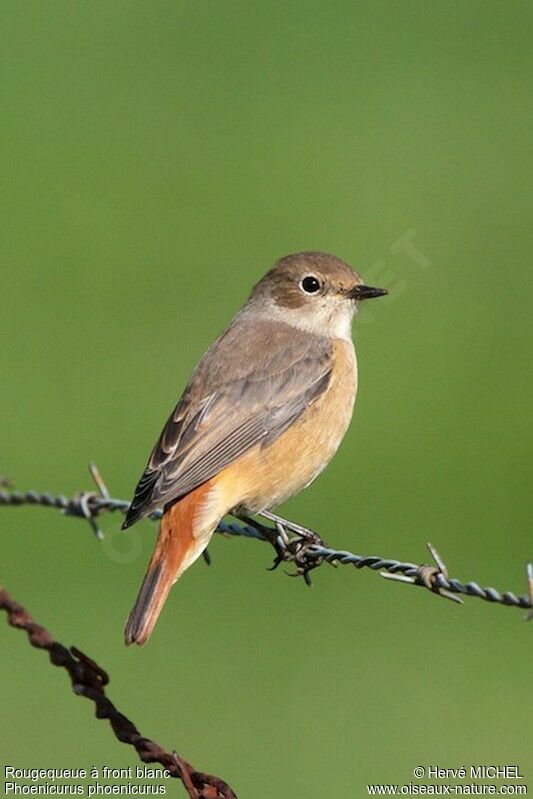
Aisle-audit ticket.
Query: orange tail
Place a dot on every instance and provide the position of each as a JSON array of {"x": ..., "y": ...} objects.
[{"x": 176, "y": 549}]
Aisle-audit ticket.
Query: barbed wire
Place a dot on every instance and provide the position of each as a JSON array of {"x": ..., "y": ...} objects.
[
  {"x": 293, "y": 544},
  {"x": 89, "y": 680}
]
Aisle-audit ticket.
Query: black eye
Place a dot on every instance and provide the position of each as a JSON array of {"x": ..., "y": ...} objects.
[{"x": 310, "y": 284}]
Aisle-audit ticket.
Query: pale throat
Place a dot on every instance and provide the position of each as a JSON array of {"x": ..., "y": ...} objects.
[{"x": 332, "y": 319}]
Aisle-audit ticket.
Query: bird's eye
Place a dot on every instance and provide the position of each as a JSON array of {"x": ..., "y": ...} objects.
[{"x": 310, "y": 284}]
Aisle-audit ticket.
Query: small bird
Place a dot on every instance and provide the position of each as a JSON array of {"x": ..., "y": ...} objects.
[{"x": 261, "y": 416}]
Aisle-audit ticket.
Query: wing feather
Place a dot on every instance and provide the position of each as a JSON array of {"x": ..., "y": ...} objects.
[{"x": 231, "y": 404}]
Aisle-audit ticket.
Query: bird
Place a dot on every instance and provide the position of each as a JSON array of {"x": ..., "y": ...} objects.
[{"x": 262, "y": 415}]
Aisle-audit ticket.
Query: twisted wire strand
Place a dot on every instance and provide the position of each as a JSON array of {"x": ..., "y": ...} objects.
[
  {"x": 84, "y": 502},
  {"x": 89, "y": 680},
  {"x": 412, "y": 571},
  {"x": 306, "y": 556}
]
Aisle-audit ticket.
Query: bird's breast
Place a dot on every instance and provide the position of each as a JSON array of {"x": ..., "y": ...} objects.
[{"x": 266, "y": 477}]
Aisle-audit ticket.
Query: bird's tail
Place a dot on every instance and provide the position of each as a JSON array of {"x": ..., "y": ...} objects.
[{"x": 178, "y": 546}]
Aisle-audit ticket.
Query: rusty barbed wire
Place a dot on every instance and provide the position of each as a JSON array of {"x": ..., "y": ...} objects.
[
  {"x": 305, "y": 549},
  {"x": 89, "y": 680}
]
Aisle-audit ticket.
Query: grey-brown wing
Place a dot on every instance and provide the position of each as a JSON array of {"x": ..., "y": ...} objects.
[{"x": 233, "y": 402}]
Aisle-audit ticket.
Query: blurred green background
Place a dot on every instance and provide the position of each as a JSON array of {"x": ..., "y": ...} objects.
[{"x": 157, "y": 157}]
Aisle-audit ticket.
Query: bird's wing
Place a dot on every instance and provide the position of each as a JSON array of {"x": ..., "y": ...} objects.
[{"x": 252, "y": 384}]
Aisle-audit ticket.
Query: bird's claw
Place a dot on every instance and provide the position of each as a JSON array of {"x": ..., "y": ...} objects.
[
  {"x": 292, "y": 544},
  {"x": 297, "y": 550}
]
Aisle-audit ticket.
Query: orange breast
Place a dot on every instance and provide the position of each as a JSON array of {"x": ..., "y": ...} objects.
[{"x": 266, "y": 477}]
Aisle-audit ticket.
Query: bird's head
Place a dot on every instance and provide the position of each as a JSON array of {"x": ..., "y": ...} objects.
[{"x": 313, "y": 291}]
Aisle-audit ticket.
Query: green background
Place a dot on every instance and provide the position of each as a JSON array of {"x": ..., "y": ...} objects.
[{"x": 157, "y": 157}]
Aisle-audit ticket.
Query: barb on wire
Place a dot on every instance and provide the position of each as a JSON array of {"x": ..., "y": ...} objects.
[
  {"x": 293, "y": 544},
  {"x": 427, "y": 575},
  {"x": 90, "y": 681}
]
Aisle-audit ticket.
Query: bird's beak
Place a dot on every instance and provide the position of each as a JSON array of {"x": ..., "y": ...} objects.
[{"x": 363, "y": 292}]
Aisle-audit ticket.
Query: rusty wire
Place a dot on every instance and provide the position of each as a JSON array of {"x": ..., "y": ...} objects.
[
  {"x": 89, "y": 680},
  {"x": 304, "y": 548}
]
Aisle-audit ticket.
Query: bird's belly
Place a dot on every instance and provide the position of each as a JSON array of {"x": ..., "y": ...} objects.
[{"x": 266, "y": 477}]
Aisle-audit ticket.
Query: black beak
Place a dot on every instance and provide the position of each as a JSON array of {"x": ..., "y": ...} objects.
[{"x": 366, "y": 292}]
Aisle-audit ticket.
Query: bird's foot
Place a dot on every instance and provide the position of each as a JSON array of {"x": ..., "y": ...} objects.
[{"x": 292, "y": 542}]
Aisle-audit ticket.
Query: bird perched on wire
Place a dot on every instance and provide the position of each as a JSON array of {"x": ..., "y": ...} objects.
[{"x": 262, "y": 415}]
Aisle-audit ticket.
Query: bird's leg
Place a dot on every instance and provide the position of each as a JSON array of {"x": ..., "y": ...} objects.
[{"x": 303, "y": 532}]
